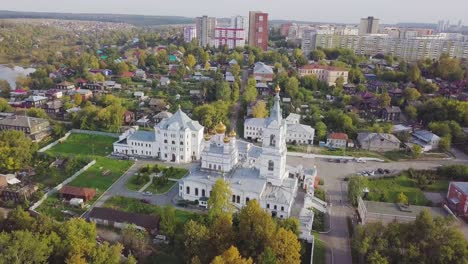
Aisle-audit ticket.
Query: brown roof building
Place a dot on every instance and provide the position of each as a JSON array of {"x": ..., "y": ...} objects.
[
  {"x": 68, "y": 192},
  {"x": 35, "y": 128},
  {"x": 120, "y": 219}
]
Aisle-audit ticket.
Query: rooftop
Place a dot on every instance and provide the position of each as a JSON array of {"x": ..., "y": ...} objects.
[
  {"x": 321, "y": 67},
  {"x": 23, "y": 121},
  {"x": 393, "y": 209},
  {"x": 462, "y": 186},
  {"x": 338, "y": 136},
  {"x": 148, "y": 222},
  {"x": 77, "y": 191},
  {"x": 146, "y": 136}
]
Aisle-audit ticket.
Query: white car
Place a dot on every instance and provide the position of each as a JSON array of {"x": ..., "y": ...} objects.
[
  {"x": 360, "y": 160},
  {"x": 147, "y": 193}
]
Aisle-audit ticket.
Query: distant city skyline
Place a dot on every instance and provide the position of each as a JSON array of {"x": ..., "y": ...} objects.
[{"x": 339, "y": 11}]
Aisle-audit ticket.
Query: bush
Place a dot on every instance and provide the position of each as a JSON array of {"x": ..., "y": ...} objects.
[
  {"x": 319, "y": 221},
  {"x": 458, "y": 172},
  {"x": 319, "y": 193}
]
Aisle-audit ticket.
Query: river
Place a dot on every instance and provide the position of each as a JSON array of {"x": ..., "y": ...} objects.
[{"x": 10, "y": 74}]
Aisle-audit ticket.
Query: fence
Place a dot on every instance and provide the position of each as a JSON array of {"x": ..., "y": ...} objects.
[
  {"x": 58, "y": 187},
  {"x": 44, "y": 149},
  {"x": 91, "y": 132}
]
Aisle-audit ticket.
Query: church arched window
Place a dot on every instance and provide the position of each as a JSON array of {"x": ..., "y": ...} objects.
[
  {"x": 271, "y": 165},
  {"x": 272, "y": 140}
]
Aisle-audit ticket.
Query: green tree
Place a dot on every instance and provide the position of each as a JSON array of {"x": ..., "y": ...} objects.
[
  {"x": 417, "y": 150},
  {"x": 77, "y": 99},
  {"x": 292, "y": 87},
  {"x": 168, "y": 221},
  {"x": 4, "y": 106},
  {"x": 385, "y": 99},
  {"x": 195, "y": 239},
  {"x": 355, "y": 188},
  {"x": 250, "y": 93},
  {"x": 445, "y": 142},
  {"x": 37, "y": 112},
  {"x": 135, "y": 240},
  {"x": 414, "y": 73},
  {"x": 411, "y": 112},
  {"x": 16, "y": 150},
  {"x": 224, "y": 92},
  {"x": 268, "y": 257},
  {"x": 191, "y": 61},
  {"x": 321, "y": 130},
  {"x": 402, "y": 198},
  {"x": 24, "y": 247},
  {"x": 235, "y": 92},
  {"x": 317, "y": 55},
  {"x": 235, "y": 69},
  {"x": 411, "y": 94},
  {"x": 259, "y": 109},
  {"x": 221, "y": 235},
  {"x": 219, "y": 201},
  {"x": 231, "y": 256}
]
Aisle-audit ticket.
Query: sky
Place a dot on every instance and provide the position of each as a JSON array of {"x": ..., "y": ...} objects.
[{"x": 341, "y": 11}]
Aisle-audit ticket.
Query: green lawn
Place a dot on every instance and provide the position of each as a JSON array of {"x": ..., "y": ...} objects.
[
  {"x": 84, "y": 144},
  {"x": 161, "y": 189},
  {"x": 131, "y": 185},
  {"x": 94, "y": 178},
  {"x": 438, "y": 186},
  {"x": 136, "y": 206},
  {"x": 53, "y": 207},
  {"x": 387, "y": 190},
  {"x": 319, "y": 251}
]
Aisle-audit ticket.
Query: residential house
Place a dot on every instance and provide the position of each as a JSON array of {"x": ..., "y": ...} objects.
[
  {"x": 128, "y": 117},
  {"x": 161, "y": 115},
  {"x": 19, "y": 93},
  {"x": 293, "y": 118},
  {"x": 85, "y": 93},
  {"x": 158, "y": 105},
  {"x": 69, "y": 192},
  {"x": 164, "y": 81},
  {"x": 121, "y": 219},
  {"x": 65, "y": 86},
  {"x": 457, "y": 198},
  {"x": 300, "y": 134},
  {"x": 35, "y": 128},
  {"x": 263, "y": 89},
  {"x": 35, "y": 101},
  {"x": 54, "y": 108},
  {"x": 140, "y": 74},
  {"x": 18, "y": 192},
  {"x": 391, "y": 113},
  {"x": 54, "y": 94},
  {"x": 395, "y": 92},
  {"x": 337, "y": 140},
  {"x": 426, "y": 139},
  {"x": 81, "y": 83},
  {"x": 127, "y": 74},
  {"x": 325, "y": 73},
  {"x": 263, "y": 72},
  {"x": 378, "y": 142}
]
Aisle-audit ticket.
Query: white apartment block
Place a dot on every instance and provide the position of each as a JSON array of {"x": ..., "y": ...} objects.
[
  {"x": 205, "y": 27},
  {"x": 324, "y": 73},
  {"x": 231, "y": 37},
  {"x": 241, "y": 22},
  {"x": 190, "y": 33},
  {"x": 409, "y": 49}
]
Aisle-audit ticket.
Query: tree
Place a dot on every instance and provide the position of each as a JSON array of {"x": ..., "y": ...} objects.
[
  {"x": 417, "y": 150},
  {"x": 292, "y": 224},
  {"x": 259, "y": 109},
  {"x": 292, "y": 87},
  {"x": 78, "y": 238},
  {"x": 411, "y": 112},
  {"x": 268, "y": 257},
  {"x": 256, "y": 230},
  {"x": 219, "y": 201},
  {"x": 121, "y": 68},
  {"x": 222, "y": 235},
  {"x": 235, "y": 92},
  {"x": 355, "y": 188},
  {"x": 168, "y": 221},
  {"x": 77, "y": 99},
  {"x": 5, "y": 88},
  {"x": 107, "y": 254},
  {"x": 25, "y": 247},
  {"x": 317, "y": 55},
  {"x": 17, "y": 219},
  {"x": 191, "y": 61},
  {"x": 414, "y": 73},
  {"x": 286, "y": 247},
  {"x": 135, "y": 240},
  {"x": 411, "y": 94},
  {"x": 235, "y": 69},
  {"x": 445, "y": 142},
  {"x": 385, "y": 99},
  {"x": 231, "y": 256},
  {"x": 37, "y": 112},
  {"x": 376, "y": 258},
  {"x": 195, "y": 239},
  {"x": 250, "y": 93},
  {"x": 321, "y": 130},
  {"x": 4, "y": 106},
  {"x": 402, "y": 198},
  {"x": 224, "y": 92},
  {"x": 16, "y": 150}
]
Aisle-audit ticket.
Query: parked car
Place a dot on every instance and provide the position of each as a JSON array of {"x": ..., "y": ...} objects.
[
  {"x": 380, "y": 171},
  {"x": 386, "y": 171},
  {"x": 146, "y": 201},
  {"x": 147, "y": 193},
  {"x": 360, "y": 160}
]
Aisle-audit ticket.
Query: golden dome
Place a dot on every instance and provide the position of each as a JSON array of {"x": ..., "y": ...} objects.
[
  {"x": 226, "y": 140},
  {"x": 220, "y": 128},
  {"x": 232, "y": 133},
  {"x": 207, "y": 137},
  {"x": 277, "y": 89}
]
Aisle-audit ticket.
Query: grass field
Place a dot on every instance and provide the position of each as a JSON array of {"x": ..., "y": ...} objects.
[
  {"x": 319, "y": 251},
  {"x": 84, "y": 144},
  {"x": 136, "y": 206},
  {"x": 161, "y": 189},
  {"x": 387, "y": 190},
  {"x": 53, "y": 207},
  {"x": 131, "y": 185}
]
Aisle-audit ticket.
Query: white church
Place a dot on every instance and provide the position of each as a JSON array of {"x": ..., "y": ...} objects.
[
  {"x": 175, "y": 139},
  {"x": 254, "y": 172}
]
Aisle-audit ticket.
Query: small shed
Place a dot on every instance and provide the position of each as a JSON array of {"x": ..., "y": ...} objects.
[{"x": 69, "y": 192}]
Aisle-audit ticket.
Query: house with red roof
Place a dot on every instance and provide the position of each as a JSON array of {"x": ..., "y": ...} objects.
[{"x": 337, "y": 140}]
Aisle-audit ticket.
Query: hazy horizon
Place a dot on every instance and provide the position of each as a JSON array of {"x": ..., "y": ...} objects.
[{"x": 339, "y": 11}]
